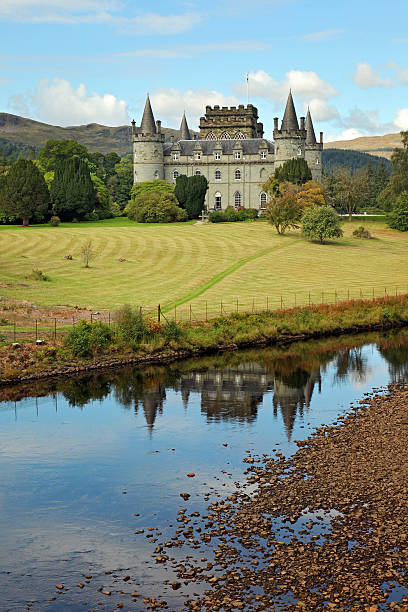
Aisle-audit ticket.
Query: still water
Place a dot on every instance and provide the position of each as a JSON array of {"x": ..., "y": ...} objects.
[{"x": 87, "y": 462}]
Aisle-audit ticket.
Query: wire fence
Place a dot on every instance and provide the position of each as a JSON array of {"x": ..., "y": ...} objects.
[{"x": 18, "y": 329}]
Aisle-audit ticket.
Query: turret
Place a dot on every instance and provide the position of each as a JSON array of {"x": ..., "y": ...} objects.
[
  {"x": 313, "y": 149},
  {"x": 290, "y": 139},
  {"x": 184, "y": 131},
  {"x": 148, "y": 142}
]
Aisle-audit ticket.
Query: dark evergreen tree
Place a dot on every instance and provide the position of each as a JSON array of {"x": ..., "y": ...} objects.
[
  {"x": 294, "y": 171},
  {"x": 24, "y": 192},
  {"x": 109, "y": 163},
  {"x": 398, "y": 218},
  {"x": 196, "y": 189},
  {"x": 180, "y": 190},
  {"x": 72, "y": 190}
]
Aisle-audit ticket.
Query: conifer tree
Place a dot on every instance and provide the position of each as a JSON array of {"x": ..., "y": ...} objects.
[
  {"x": 294, "y": 171},
  {"x": 196, "y": 189},
  {"x": 24, "y": 192},
  {"x": 72, "y": 190}
]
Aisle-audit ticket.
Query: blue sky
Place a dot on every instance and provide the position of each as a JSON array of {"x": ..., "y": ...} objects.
[{"x": 70, "y": 62}]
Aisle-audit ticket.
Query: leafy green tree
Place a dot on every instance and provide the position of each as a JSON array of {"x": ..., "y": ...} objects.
[
  {"x": 155, "y": 207},
  {"x": 120, "y": 184},
  {"x": 102, "y": 202},
  {"x": 283, "y": 210},
  {"x": 320, "y": 223},
  {"x": 56, "y": 151},
  {"x": 398, "y": 218},
  {"x": 399, "y": 175},
  {"x": 294, "y": 171},
  {"x": 148, "y": 187},
  {"x": 72, "y": 190},
  {"x": 347, "y": 190},
  {"x": 109, "y": 163},
  {"x": 25, "y": 193}
]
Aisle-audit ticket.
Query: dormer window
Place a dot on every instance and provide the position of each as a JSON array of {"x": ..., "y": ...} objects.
[
  {"x": 263, "y": 154},
  {"x": 175, "y": 156},
  {"x": 237, "y": 154},
  {"x": 198, "y": 155},
  {"x": 217, "y": 155}
]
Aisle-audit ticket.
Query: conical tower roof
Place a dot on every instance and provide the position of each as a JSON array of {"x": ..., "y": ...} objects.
[
  {"x": 184, "y": 131},
  {"x": 148, "y": 125},
  {"x": 310, "y": 135},
  {"x": 289, "y": 121}
]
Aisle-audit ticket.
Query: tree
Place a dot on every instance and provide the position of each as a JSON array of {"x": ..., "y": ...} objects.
[
  {"x": 102, "y": 204},
  {"x": 398, "y": 218},
  {"x": 399, "y": 175},
  {"x": 196, "y": 189},
  {"x": 321, "y": 222},
  {"x": 282, "y": 209},
  {"x": 347, "y": 190},
  {"x": 72, "y": 190},
  {"x": 24, "y": 192},
  {"x": 310, "y": 195},
  {"x": 147, "y": 187},
  {"x": 87, "y": 253},
  {"x": 180, "y": 190},
  {"x": 109, "y": 163},
  {"x": 295, "y": 171},
  {"x": 56, "y": 151}
]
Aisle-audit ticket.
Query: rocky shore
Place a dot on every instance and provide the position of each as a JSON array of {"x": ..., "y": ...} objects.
[{"x": 325, "y": 529}]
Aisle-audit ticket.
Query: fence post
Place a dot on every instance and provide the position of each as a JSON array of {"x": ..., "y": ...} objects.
[
  {"x": 91, "y": 317},
  {"x": 335, "y": 296},
  {"x": 281, "y": 302},
  {"x": 348, "y": 294},
  {"x": 206, "y": 310},
  {"x": 373, "y": 292},
  {"x": 36, "y": 331},
  {"x": 361, "y": 293},
  {"x": 55, "y": 330},
  {"x": 175, "y": 313},
  {"x": 267, "y": 303},
  {"x": 309, "y": 298},
  {"x": 253, "y": 305},
  {"x": 295, "y": 300},
  {"x": 109, "y": 318},
  {"x": 190, "y": 314},
  {"x": 158, "y": 313},
  {"x": 322, "y": 297}
]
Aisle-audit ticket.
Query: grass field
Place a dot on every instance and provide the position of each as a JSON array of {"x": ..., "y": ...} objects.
[{"x": 211, "y": 267}]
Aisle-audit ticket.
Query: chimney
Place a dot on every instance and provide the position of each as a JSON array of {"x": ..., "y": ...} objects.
[
  {"x": 302, "y": 123},
  {"x": 321, "y": 137},
  {"x": 133, "y": 127},
  {"x": 275, "y": 123},
  {"x": 158, "y": 125}
]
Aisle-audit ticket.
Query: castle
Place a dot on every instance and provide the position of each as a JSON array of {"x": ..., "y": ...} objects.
[{"x": 231, "y": 152}]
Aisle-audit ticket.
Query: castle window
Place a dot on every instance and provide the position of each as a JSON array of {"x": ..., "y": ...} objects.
[
  {"x": 237, "y": 154},
  {"x": 317, "y": 162},
  {"x": 156, "y": 175},
  {"x": 217, "y": 155},
  {"x": 175, "y": 174},
  {"x": 210, "y": 136},
  {"x": 175, "y": 156},
  {"x": 217, "y": 204},
  {"x": 218, "y": 175},
  {"x": 197, "y": 173},
  {"x": 262, "y": 173},
  {"x": 237, "y": 199},
  {"x": 198, "y": 155},
  {"x": 225, "y": 136},
  {"x": 263, "y": 154},
  {"x": 299, "y": 151},
  {"x": 262, "y": 199},
  {"x": 239, "y": 136},
  {"x": 237, "y": 175}
]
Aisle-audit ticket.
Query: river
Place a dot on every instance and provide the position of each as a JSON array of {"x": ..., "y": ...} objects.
[{"x": 89, "y": 462}]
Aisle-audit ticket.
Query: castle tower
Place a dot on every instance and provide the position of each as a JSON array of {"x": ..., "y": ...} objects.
[
  {"x": 230, "y": 123},
  {"x": 184, "y": 131},
  {"x": 313, "y": 149},
  {"x": 290, "y": 140},
  {"x": 148, "y": 163}
]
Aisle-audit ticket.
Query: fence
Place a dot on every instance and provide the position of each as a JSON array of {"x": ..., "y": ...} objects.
[{"x": 197, "y": 311}]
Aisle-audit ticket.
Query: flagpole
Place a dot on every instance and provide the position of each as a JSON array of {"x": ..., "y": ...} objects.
[{"x": 247, "y": 87}]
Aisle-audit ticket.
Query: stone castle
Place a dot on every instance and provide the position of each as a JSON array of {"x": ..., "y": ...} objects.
[{"x": 231, "y": 152}]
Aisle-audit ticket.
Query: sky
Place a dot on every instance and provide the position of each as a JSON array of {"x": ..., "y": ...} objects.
[{"x": 74, "y": 62}]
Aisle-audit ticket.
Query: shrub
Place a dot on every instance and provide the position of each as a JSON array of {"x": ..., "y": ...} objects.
[
  {"x": 38, "y": 275},
  {"x": 92, "y": 216},
  {"x": 131, "y": 326},
  {"x": 55, "y": 221},
  {"x": 155, "y": 207},
  {"x": 217, "y": 216},
  {"x": 171, "y": 331},
  {"x": 398, "y": 218},
  {"x": 361, "y": 232},
  {"x": 86, "y": 338},
  {"x": 229, "y": 215}
]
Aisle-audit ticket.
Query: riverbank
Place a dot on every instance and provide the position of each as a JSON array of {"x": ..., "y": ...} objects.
[
  {"x": 323, "y": 529},
  {"x": 166, "y": 343}
]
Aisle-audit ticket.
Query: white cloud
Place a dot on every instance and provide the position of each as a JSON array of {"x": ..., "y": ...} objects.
[
  {"x": 366, "y": 121},
  {"x": 57, "y": 102},
  {"x": 321, "y": 110},
  {"x": 348, "y": 134},
  {"x": 96, "y": 11},
  {"x": 168, "y": 104},
  {"x": 401, "y": 120},
  {"x": 402, "y": 75},
  {"x": 323, "y": 35},
  {"x": 366, "y": 77}
]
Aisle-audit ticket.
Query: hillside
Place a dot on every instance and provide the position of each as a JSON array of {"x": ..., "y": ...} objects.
[
  {"x": 347, "y": 158},
  {"x": 375, "y": 145},
  {"x": 95, "y": 137}
]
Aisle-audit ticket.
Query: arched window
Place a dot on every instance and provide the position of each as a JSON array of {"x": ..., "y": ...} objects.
[
  {"x": 262, "y": 173},
  {"x": 317, "y": 161},
  {"x": 239, "y": 136},
  {"x": 217, "y": 203},
  {"x": 156, "y": 174},
  {"x": 237, "y": 199},
  {"x": 217, "y": 175},
  {"x": 299, "y": 150},
  {"x": 175, "y": 174},
  {"x": 237, "y": 175},
  {"x": 225, "y": 136},
  {"x": 263, "y": 200},
  {"x": 197, "y": 173},
  {"x": 211, "y": 136}
]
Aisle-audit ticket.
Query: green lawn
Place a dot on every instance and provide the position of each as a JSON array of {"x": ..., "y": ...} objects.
[{"x": 210, "y": 266}]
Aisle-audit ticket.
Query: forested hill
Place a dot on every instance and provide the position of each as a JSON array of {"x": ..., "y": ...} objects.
[
  {"x": 333, "y": 158},
  {"x": 26, "y": 133}
]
